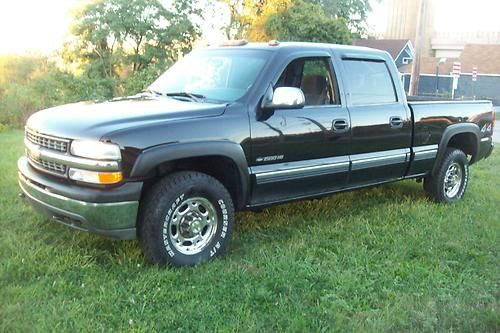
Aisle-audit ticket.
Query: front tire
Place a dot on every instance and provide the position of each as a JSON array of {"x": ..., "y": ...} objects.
[
  {"x": 187, "y": 218},
  {"x": 450, "y": 181}
]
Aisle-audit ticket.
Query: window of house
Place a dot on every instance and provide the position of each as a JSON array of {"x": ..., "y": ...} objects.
[
  {"x": 369, "y": 82},
  {"x": 406, "y": 60}
]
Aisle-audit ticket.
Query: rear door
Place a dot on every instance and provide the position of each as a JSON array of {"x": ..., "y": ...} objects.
[{"x": 380, "y": 120}]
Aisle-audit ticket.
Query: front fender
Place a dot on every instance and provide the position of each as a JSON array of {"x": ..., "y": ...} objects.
[{"x": 152, "y": 157}]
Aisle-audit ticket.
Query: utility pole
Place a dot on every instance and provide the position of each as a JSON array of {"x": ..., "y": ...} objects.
[{"x": 415, "y": 66}]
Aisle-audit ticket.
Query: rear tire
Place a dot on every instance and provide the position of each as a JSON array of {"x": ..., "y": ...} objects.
[
  {"x": 450, "y": 181},
  {"x": 186, "y": 218}
]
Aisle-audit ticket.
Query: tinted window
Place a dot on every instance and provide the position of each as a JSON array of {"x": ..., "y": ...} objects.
[
  {"x": 369, "y": 82},
  {"x": 313, "y": 77},
  {"x": 219, "y": 75}
]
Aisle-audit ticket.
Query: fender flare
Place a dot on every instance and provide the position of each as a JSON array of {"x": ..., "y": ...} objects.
[
  {"x": 449, "y": 133},
  {"x": 154, "y": 156}
]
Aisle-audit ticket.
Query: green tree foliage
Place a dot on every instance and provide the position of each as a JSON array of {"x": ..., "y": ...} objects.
[
  {"x": 119, "y": 47},
  {"x": 355, "y": 12},
  {"x": 296, "y": 24},
  {"x": 31, "y": 83},
  {"x": 250, "y": 18},
  {"x": 118, "y": 39},
  {"x": 237, "y": 23}
]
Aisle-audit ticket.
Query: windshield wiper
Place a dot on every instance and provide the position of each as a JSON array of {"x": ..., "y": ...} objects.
[
  {"x": 153, "y": 92},
  {"x": 192, "y": 96}
]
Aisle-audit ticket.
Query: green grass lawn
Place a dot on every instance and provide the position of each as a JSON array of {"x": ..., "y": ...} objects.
[{"x": 381, "y": 259}]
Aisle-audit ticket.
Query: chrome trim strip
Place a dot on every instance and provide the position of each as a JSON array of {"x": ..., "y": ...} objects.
[
  {"x": 380, "y": 158},
  {"x": 424, "y": 148},
  {"x": 425, "y": 152},
  {"x": 486, "y": 139},
  {"x": 70, "y": 161},
  {"x": 425, "y": 155},
  {"x": 300, "y": 169}
]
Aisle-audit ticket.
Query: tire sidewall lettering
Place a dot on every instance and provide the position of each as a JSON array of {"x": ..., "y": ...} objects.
[
  {"x": 224, "y": 226},
  {"x": 464, "y": 181},
  {"x": 166, "y": 224}
]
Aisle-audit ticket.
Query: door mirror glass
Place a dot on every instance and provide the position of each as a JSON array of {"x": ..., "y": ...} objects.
[{"x": 284, "y": 98}]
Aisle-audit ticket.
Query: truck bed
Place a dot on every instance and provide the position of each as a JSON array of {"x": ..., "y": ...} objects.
[{"x": 433, "y": 118}]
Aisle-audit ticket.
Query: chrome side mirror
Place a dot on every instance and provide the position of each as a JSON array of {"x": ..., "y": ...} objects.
[{"x": 283, "y": 98}]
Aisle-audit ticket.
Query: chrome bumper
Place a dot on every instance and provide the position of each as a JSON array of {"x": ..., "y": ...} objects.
[{"x": 112, "y": 219}]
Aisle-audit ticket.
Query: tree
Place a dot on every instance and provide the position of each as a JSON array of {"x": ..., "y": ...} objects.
[
  {"x": 31, "y": 83},
  {"x": 116, "y": 39},
  {"x": 296, "y": 24},
  {"x": 236, "y": 26},
  {"x": 258, "y": 14},
  {"x": 248, "y": 17},
  {"x": 354, "y": 12}
]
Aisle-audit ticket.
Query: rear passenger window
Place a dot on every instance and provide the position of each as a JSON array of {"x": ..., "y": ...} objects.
[{"x": 369, "y": 82}]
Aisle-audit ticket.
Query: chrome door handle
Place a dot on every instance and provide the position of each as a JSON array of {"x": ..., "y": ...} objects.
[
  {"x": 340, "y": 125},
  {"x": 396, "y": 122}
]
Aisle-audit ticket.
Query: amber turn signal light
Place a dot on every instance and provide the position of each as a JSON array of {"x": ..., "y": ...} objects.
[{"x": 95, "y": 177}]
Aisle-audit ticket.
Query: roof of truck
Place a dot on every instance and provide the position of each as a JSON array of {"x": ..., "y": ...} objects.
[{"x": 298, "y": 46}]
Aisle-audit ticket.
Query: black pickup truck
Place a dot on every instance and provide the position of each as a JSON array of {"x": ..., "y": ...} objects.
[{"x": 243, "y": 126}]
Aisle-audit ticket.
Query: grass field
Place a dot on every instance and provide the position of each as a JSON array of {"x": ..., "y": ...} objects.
[{"x": 378, "y": 260}]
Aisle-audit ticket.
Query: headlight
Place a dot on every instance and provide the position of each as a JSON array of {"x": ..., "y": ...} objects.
[
  {"x": 96, "y": 150},
  {"x": 95, "y": 177}
]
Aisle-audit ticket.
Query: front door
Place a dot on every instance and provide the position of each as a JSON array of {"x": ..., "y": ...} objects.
[{"x": 301, "y": 152}]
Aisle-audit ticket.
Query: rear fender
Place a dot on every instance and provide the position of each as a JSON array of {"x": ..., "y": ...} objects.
[{"x": 449, "y": 133}]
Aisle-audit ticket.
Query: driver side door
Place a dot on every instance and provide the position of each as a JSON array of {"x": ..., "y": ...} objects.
[{"x": 301, "y": 152}]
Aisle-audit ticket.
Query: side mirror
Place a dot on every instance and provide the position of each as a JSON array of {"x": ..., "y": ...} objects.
[{"x": 283, "y": 98}]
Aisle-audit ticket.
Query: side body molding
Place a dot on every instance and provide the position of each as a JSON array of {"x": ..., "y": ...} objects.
[
  {"x": 451, "y": 131},
  {"x": 152, "y": 157}
]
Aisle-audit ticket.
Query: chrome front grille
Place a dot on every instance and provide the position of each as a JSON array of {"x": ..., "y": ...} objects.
[
  {"x": 49, "y": 166},
  {"x": 49, "y": 142},
  {"x": 35, "y": 141}
]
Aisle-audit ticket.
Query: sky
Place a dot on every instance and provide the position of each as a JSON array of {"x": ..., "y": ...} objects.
[
  {"x": 42, "y": 25},
  {"x": 451, "y": 15}
]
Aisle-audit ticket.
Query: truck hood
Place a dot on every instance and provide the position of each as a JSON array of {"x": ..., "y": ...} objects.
[{"x": 93, "y": 120}]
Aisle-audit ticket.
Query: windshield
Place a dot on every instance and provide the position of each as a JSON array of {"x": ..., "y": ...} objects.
[{"x": 220, "y": 75}]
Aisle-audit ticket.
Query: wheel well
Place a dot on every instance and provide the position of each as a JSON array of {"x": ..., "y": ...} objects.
[
  {"x": 466, "y": 142},
  {"x": 221, "y": 168}
]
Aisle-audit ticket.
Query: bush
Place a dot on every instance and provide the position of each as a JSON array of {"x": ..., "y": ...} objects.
[{"x": 30, "y": 83}]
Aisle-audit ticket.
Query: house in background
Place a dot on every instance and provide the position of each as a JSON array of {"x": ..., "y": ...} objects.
[
  {"x": 484, "y": 57},
  {"x": 441, "y": 48},
  {"x": 401, "y": 50}
]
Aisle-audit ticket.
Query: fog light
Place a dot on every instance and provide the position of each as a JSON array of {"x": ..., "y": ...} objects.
[{"x": 95, "y": 177}]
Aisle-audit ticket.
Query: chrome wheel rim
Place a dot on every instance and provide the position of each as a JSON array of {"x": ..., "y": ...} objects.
[
  {"x": 193, "y": 225},
  {"x": 453, "y": 180}
]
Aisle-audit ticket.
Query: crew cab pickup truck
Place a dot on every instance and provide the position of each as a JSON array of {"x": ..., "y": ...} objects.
[{"x": 243, "y": 126}]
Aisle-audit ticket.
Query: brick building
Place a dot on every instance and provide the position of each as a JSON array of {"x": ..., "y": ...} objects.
[{"x": 440, "y": 50}]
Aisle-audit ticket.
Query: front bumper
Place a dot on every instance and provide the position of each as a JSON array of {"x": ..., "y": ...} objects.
[{"x": 85, "y": 209}]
